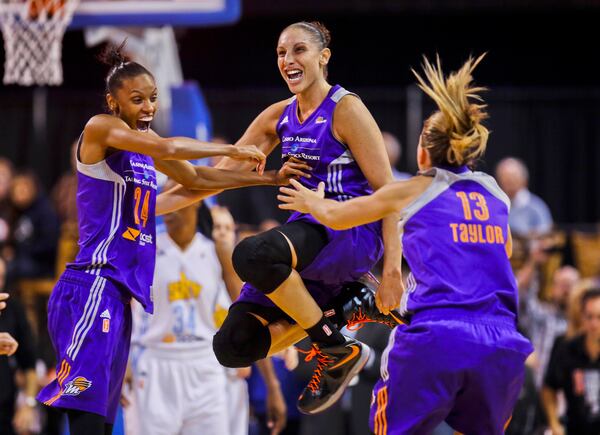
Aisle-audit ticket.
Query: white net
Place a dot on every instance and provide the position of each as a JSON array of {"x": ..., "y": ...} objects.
[{"x": 33, "y": 31}]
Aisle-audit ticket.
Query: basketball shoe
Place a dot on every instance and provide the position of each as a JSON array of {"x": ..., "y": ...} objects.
[
  {"x": 336, "y": 367},
  {"x": 355, "y": 306}
]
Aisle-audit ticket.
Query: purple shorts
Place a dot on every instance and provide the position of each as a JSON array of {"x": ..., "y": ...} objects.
[
  {"x": 348, "y": 255},
  {"x": 89, "y": 322},
  {"x": 465, "y": 373}
]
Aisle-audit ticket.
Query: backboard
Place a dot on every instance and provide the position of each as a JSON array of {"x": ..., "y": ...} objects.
[{"x": 155, "y": 13}]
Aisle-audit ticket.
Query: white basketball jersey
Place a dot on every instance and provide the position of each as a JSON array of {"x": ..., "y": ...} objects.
[{"x": 190, "y": 298}]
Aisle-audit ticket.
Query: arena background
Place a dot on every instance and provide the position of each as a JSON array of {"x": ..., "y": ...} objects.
[
  {"x": 544, "y": 97},
  {"x": 544, "y": 102}
]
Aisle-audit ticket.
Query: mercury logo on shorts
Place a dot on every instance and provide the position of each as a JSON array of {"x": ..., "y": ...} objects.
[{"x": 76, "y": 386}]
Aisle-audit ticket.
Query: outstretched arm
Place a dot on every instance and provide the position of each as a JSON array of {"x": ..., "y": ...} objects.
[
  {"x": 206, "y": 179},
  {"x": 262, "y": 132},
  {"x": 347, "y": 214},
  {"x": 106, "y": 131}
]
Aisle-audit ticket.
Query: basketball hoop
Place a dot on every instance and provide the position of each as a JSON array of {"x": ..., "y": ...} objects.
[{"x": 33, "y": 32}]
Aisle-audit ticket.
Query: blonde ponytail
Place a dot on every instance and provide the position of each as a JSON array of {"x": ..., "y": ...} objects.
[{"x": 454, "y": 134}]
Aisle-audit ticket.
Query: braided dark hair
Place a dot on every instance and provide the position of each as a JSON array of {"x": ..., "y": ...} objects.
[{"x": 121, "y": 67}]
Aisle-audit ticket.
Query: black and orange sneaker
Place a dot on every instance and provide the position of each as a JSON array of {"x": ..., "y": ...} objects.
[
  {"x": 355, "y": 306},
  {"x": 336, "y": 367}
]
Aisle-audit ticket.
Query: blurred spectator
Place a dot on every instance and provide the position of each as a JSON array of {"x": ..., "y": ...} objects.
[
  {"x": 529, "y": 214},
  {"x": 544, "y": 321},
  {"x": 6, "y": 174},
  {"x": 575, "y": 370},
  {"x": 574, "y": 316},
  {"x": 34, "y": 230},
  {"x": 13, "y": 418},
  {"x": 64, "y": 199},
  {"x": 394, "y": 152}
]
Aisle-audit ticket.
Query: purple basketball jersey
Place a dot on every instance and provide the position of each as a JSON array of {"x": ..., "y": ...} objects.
[
  {"x": 455, "y": 238},
  {"x": 313, "y": 142},
  {"x": 116, "y": 200}
]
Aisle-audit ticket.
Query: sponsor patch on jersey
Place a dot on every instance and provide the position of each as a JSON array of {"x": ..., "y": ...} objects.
[
  {"x": 145, "y": 239},
  {"x": 131, "y": 234},
  {"x": 76, "y": 386},
  {"x": 320, "y": 120},
  {"x": 284, "y": 121},
  {"x": 136, "y": 235}
]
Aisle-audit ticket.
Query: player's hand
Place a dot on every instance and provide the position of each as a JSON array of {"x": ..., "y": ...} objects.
[
  {"x": 389, "y": 293},
  {"x": 300, "y": 198},
  {"x": 276, "y": 410},
  {"x": 8, "y": 345},
  {"x": 3, "y": 297},
  {"x": 250, "y": 152},
  {"x": 292, "y": 169}
]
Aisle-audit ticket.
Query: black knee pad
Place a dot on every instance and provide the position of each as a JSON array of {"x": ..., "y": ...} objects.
[
  {"x": 263, "y": 260},
  {"x": 242, "y": 340}
]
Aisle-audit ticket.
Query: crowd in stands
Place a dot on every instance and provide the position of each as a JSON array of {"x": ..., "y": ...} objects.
[{"x": 559, "y": 309}]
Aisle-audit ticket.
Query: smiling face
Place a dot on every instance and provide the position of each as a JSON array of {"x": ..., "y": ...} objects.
[
  {"x": 135, "y": 102},
  {"x": 300, "y": 58}
]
